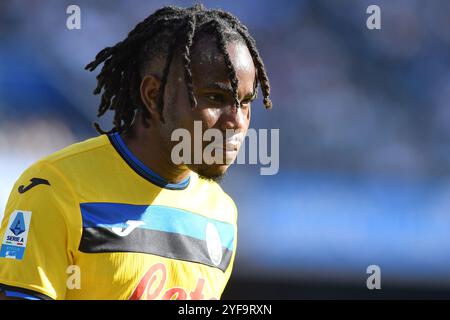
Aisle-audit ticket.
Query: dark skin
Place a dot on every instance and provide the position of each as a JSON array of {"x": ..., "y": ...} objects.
[{"x": 216, "y": 107}]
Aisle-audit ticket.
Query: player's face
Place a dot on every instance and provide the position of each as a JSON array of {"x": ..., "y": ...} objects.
[{"x": 216, "y": 107}]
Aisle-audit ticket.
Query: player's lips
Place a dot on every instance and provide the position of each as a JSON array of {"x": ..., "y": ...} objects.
[
  {"x": 227, "y": 153},
  {"x": 232, "y": 143},
  {"x": 229, "y": 147}
]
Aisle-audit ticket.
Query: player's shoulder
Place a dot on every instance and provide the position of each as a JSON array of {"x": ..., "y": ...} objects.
[
  {"x": 49, "y": 183},
  {"x": 78, "y": 150},
  {"x": 56, "y": 169},
  {"x": 78, "y": 159},
  {"x": 231, "y": 205},
  {"x": 217, "y": 196}
]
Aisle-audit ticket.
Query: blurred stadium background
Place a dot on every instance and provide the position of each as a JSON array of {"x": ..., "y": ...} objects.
[{"x": 364, "y": 135}]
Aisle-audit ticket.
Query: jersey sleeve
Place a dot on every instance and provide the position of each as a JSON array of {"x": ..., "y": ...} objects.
[{"x": 38, "y": 242}]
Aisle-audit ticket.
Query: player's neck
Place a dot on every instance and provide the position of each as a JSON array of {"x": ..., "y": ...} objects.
[{"x": 146, "y": 145}]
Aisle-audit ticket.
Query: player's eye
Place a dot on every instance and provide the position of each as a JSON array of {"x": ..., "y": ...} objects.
[
  {"x": 216, "y": 98},
  {"x": 246, "y": 103}
]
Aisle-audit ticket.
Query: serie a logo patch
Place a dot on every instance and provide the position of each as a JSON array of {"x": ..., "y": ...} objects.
[{"x": 16, "y": 234}]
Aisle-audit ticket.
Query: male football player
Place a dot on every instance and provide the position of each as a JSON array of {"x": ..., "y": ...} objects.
[{"x": 113, "y": 217}]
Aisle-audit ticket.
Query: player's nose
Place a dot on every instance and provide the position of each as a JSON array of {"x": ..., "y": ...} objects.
[{"x": 233, "y": 118}]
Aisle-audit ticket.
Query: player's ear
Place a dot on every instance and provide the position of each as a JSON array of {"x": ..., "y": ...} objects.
[{"x": 149, "y": 94}]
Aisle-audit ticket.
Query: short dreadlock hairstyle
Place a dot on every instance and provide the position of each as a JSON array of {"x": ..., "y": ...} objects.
[{"x": 168, "y": 31}]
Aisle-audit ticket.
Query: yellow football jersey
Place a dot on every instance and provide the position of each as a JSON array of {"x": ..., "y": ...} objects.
[{"x": 91, "y": 221}]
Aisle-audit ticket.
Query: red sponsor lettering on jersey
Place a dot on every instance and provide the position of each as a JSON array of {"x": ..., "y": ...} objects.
[{"x": 151, "y": 285}]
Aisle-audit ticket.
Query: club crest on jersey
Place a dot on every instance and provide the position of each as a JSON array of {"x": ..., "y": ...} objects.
[
  {"x": 213, "y": 244},
  {"x": 15, "y": 239}
]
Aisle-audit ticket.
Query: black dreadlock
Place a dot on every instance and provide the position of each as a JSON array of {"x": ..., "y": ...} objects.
[{"x": 124, "y": 63}]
